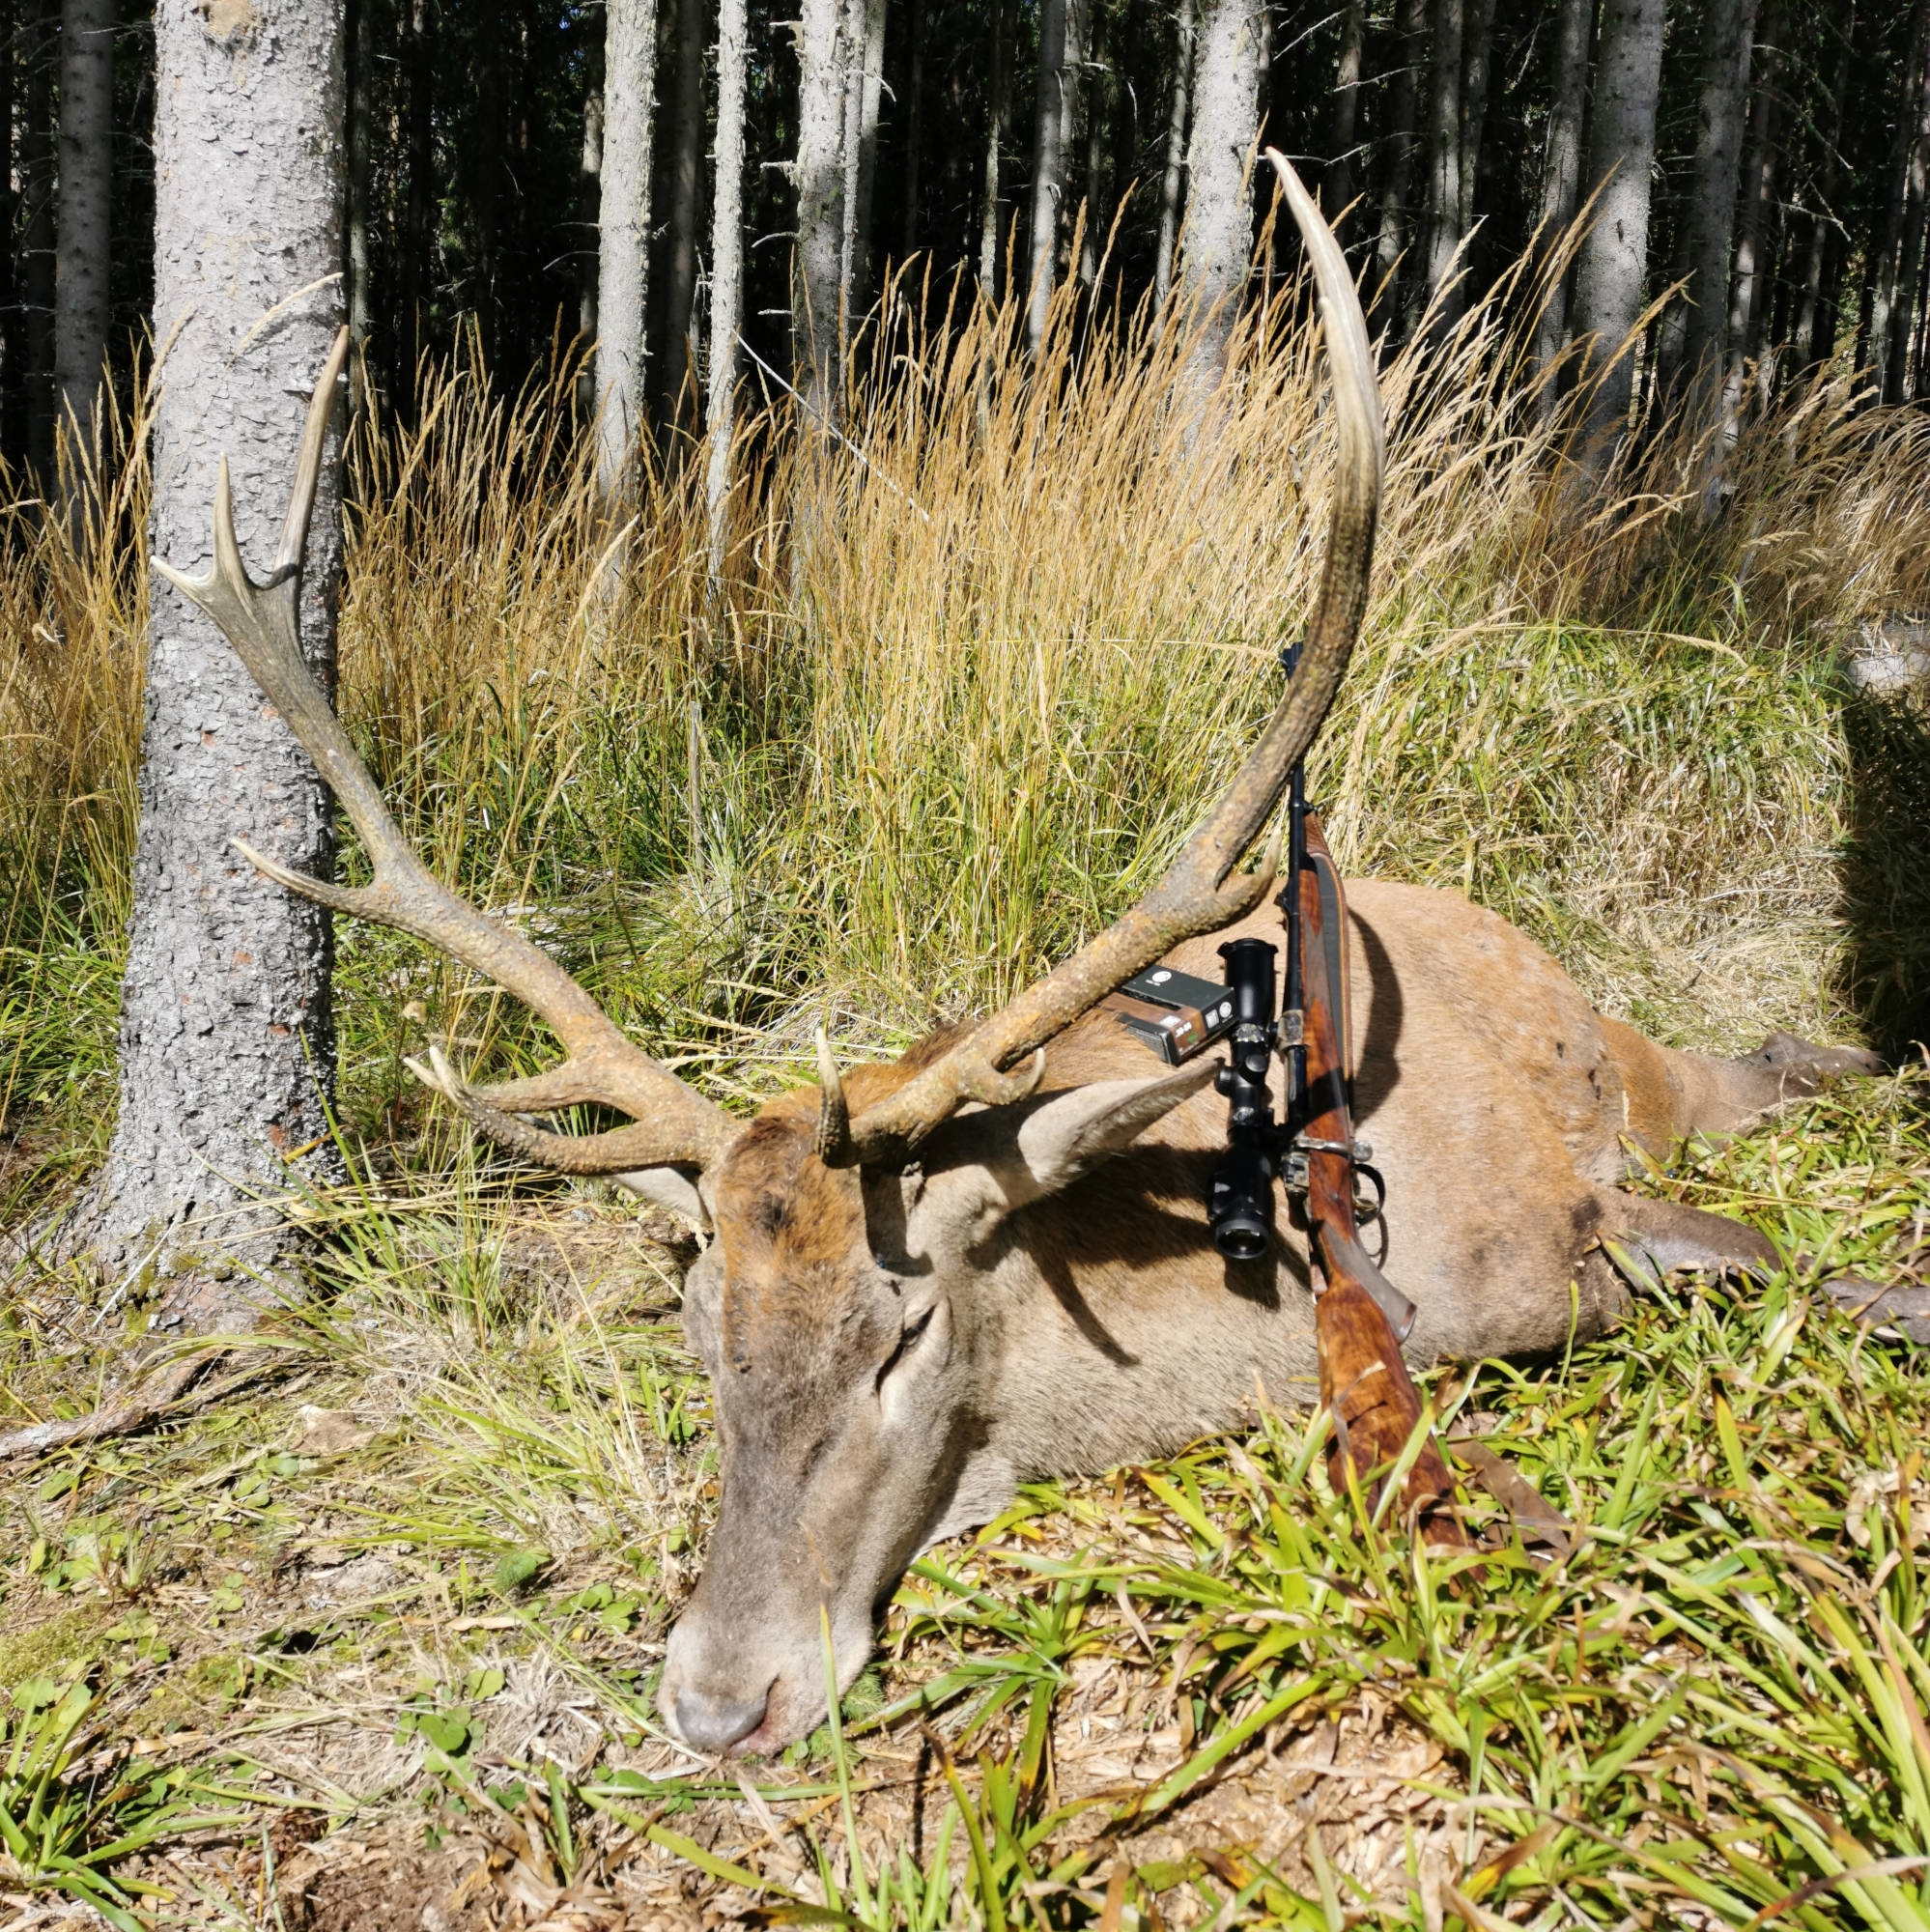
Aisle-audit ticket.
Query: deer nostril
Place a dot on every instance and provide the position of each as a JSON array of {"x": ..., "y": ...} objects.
[{"x": 710, "y": 1723}]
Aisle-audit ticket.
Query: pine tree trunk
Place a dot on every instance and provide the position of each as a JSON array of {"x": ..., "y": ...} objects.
[
  {"x": 1920, "y": 383},
  {"x": 727, "y": 274},
  {"x": 1880, "y": 286},
  {"x": 1226, "y": 123},
  {"x": 1910, "y": 255},
  {"x": 86, "y": 186},
  {"x": 589, "y": 175},
  {"x": 1173, "y": 179},
  {"x": 1397, "y": 181},
  {"x": 1071, "y": 125},
  {"x": 1805, "y": 348},
  {"x": 864, "y": 91},
  {"x": 1751, "y": 278},
  {"x": 359, "y": 44},
  {"x": 480, "y": 166},
  {"x": 1444, "y": 154},
  {"x": 817, "y": 305},
  {"x": 684, "y": 184},
  {"x": 1561, "y": 170},
  {"x": 1048, "y": 168},
  {"x": 997, "y": 91},
  {"x": 1699, "y": 344},
  {"x": 1132, "y": 66},
  {"x": 623, "y": 227},
  {"x": 1476, "y": 79},
  {"x": 1337, "y": 188},
  {"x": 227, "y": 1053},
  {"x": 13, "y": 320},
  {"x": 418, "y": 223},
  {"x": 37, "y": 236},
  {"x": 1095, "y": 95},
  {"x": 913, "y": 105},
  {"x": 1610, "y": 273}
]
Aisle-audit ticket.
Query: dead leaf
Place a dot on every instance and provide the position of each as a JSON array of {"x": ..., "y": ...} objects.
[{"x": 329, "y": 1432}]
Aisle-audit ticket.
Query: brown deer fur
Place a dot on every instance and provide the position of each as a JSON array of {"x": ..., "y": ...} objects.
[{"x": 1077, "y": 1315}]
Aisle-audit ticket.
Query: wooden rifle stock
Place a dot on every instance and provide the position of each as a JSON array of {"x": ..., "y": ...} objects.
[{"x": 1364, "y": 1382}]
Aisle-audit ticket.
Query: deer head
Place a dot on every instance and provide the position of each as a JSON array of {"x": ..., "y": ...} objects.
[{"x": 843, "y": 1304}]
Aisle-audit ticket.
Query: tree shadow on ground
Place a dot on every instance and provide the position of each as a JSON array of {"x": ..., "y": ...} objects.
[{"x": 1885, "y": 868}]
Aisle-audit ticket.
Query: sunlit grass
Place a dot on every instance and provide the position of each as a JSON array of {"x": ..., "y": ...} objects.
[
  {"x": 1715, "y": 1701},
  {"x": 949, "y": 713}
]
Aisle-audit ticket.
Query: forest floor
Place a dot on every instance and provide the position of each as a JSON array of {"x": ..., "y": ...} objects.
[{"x": 369, "y": 1639}]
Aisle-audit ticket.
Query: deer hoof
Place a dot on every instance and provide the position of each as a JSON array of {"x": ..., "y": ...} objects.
[{"x": 1902, "y": 1307}]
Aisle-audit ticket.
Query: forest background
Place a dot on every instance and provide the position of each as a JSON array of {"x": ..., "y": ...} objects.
[{"x": 1785, "y": 144}]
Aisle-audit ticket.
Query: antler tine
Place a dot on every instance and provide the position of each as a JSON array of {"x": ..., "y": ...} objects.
[
  {"x": 1197, "y": 894},
  {"x": 833, "y": 1117},
  {"x": 675, "y": 1125}
]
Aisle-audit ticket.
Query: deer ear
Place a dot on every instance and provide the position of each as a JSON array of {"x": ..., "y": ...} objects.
[
  {"x": 1071, "y": 1133},
  {"x": 669, "y": 1187}
]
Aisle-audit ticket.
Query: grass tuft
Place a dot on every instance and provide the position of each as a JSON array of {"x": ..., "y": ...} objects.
[{"x": 947, "y": 711}]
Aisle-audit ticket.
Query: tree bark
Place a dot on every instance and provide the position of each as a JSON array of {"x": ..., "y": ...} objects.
[
  {"x": 818, "y": 305},
  {"x": 1909, "y": 254},
  {"x": 418, "y": 226},
  {"x": 989, "y": 224},
  {"x": 1397, "y": 181},
  {"x": 13, "y": 322},
  {"x": 1476, "y": 79},
  {"x": 1921, "y": 386},
  {"x": 1561, "y": 169},
  {"x": 1444, "y": 154},
  {"x": 36, "y": 237},
  {"x": 1880, "y": 282},
  {"x": 1698, "y": 343},
  {"x": 1095, "y": 94},
  {"x": 1226, "y": 122},
  {"x": 727, "y": 274},
  {"x": 480, "y": 162},
  {"x": 915, "y": 126},
  {"x": 227, "y": 1053},
  {"x": 1337, "y": 189},
  {"x": 684, "y": 177},
  {"x": 85, "y": 188},
  {"x": 1173, "y": 179},
  {"x": 1804, "y": 342},
  {"x": 1750, "y": 277},
  {"x": 1048, "y": 168},
  {"x": 623, "y": 226},
  {"x": 1611, "y": 271},
  {"x": 589, "y": 173},
  {"x": 863, "y": 96},
  {"x": 358, "y": 47}
]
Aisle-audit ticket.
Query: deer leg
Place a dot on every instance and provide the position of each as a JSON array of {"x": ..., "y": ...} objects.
[
  {"x": 1787, "y": 1066},
  {"x": 1649, "y": 1240}
]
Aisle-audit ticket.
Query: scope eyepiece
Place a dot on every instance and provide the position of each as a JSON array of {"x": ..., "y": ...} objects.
[{"x": 1240, "y": 1205}]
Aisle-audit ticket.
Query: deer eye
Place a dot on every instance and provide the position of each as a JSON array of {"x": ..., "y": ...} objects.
[{"x": 908, "y": 1339}]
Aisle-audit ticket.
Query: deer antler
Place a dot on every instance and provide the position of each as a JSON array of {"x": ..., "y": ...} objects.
[
  {"x": 675, "y": 1125},
  {"x": 1195, "y": 896}
]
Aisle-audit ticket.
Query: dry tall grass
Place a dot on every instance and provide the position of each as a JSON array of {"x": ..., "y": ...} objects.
[{"x": 967, "y": 679}]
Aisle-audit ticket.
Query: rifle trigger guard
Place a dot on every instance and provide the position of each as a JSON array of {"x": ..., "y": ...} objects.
[{"x": 1371, "y": 1210}]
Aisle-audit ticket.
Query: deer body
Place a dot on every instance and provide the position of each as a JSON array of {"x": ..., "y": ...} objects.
[
  {"x": 1070, "y": 1313},
  {"x": 925, "y": 1282}
]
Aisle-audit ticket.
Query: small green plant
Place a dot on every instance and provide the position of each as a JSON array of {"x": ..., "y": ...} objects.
[{"x": 72, "y": 1807}]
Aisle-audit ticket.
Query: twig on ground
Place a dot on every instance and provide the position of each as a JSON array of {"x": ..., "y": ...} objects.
[{"x": 171, "y": 1392}]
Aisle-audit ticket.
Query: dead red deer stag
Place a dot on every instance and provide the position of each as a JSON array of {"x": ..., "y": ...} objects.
[{"x": 926, "y": 1281}]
